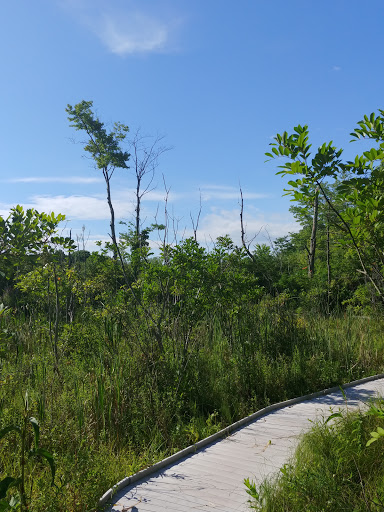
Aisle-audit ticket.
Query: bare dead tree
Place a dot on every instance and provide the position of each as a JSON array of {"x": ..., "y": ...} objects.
[
  {"x": 245, "y": 243},
  {"x": 195, "y": 224},
  {"x": 164, "y": 239},
  {"x": 145, "y": 152}
]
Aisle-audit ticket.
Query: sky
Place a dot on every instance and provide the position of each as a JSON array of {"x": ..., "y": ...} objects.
[{"x": 215, "y": 79}]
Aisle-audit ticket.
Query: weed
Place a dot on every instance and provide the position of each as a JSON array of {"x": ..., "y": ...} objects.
[{"x": 20, "y": 502}]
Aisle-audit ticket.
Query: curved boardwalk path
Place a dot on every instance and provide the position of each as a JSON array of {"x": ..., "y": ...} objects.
[{"x": 211, "y": 479}]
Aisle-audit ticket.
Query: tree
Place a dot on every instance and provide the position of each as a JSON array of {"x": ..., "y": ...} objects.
[
  {"x": 145, "y": 153},
  {"x": 25, "y": 235},
  {"x": 145, "y": 157},
  {"x": 325, "y": 163},
  {"x": 364, "y": 189},
  {"x": 360, "y": 189},
  {"x": 104, "y": 148}
]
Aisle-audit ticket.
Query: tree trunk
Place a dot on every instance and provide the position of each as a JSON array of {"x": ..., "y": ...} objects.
[
  {"x": 328, "y": 266},
  {"x": 312, "y": 247},
  {"x": 112, "y": 211},
  {"x": 137, "y": 211}
]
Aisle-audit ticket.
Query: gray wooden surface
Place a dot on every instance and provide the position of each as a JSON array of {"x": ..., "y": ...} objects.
[{"x": 212, "y": 479}]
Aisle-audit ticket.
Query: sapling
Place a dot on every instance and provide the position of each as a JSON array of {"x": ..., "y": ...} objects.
[{"x": 20, "y": 502}]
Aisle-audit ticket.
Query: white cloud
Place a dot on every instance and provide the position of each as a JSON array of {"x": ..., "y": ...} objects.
[
  {"x": 95, "y": 207},
  {"x": 209, "y": 192},
  {"x": 54, "y": 179},
  {"x": 336, "y": 68},
  {"x": 136, "y": 33},
  {"x": 227, "y": 222},
  {"x": 217, "y": 222},
  {"x": 4, "y": 211},
  {"x": 73, "y": 207},
  {"x": 127, "y": 28}
]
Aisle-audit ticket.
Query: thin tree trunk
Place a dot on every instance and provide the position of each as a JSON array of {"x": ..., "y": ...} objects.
[
  {"x": 354, "y": 242},
  {"x": 57, "y": 315},
  {"x": 243, "y": 242},
  {"x": 138, "y": 211},
  {"x": 328, "y": 265},
  {"x": 312, "y": 247},
  {"x": 107, "y": 178}
]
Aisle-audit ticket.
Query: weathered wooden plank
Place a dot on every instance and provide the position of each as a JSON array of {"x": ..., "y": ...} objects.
[{"x": 212, "y": 479}]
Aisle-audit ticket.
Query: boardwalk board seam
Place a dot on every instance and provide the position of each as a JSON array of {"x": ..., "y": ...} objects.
[{"x": 223, "y": 433}]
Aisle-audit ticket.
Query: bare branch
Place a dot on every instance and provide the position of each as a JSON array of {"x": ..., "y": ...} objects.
[
  {"x": 243, "y": 239},
  {"x": 145, "y": 152},
  {"x": 196, "y": 225}
]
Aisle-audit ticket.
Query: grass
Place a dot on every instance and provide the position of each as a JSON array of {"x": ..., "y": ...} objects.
[
  {"x": 333, "y": 469},
  {"x": 113, "y": 404}
]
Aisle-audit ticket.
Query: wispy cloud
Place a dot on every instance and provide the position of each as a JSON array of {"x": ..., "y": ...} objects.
[
  {"x": 210, "y": 192},
  {"x": 218, "y": 222},
  {"x": 138, "y": 33},
  {"x": 127, "y": 28},
  {"x": 4, "y": 211},
  {"x": 95, "y": 207},
  {"x": 267, "y": 226},
  {"x": 51, "y": 179},
  {"x": 73, "y": 207},
  {"x": 336, "y": 68}
]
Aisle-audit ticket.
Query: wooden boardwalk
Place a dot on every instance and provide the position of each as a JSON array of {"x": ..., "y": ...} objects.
[{"x": 211, "y": 479}]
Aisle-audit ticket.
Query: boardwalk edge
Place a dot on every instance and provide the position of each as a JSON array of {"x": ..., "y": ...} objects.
[{"x": 222, "y": 433}]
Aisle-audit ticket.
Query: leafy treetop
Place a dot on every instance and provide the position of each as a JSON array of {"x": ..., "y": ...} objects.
[{"x": 103, "y": 146}]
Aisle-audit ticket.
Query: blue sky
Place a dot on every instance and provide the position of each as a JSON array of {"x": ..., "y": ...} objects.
[{"x": 217, "y": 79}]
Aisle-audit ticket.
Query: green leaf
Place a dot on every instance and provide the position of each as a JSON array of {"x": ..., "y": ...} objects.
[
  {"x": 375, "y": 411},
  {"x": 6, "y": 483},
  {"x": 10, "y": 428},
  {"x": 251, "y": 488},
  {"x": 356, "y": 220},
  {"x": 332, "y": 416},
  {"x": 296, "y": 168},
  {"x": 49, "y": 458},
  {"x": 373, "y": 216}
]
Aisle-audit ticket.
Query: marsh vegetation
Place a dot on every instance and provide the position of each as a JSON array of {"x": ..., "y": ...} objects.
[{"x": 128, "y": 356}]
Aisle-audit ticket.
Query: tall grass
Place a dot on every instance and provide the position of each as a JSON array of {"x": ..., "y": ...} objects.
[
  {"x": 115, "y": 404},
  {"x": 332, "y": 471}
]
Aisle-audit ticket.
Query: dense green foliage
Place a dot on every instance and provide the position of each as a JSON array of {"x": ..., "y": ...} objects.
[
  {"x": 333, "y": 469},
  {"x": 129, "y": 358}
]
